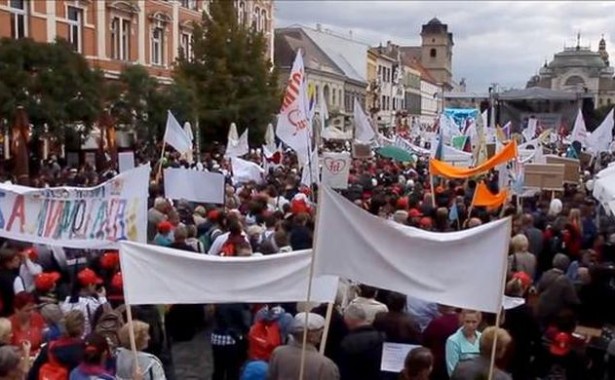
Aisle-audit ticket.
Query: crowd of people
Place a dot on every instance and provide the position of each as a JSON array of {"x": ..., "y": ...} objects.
[{"x": 63, "y": 315}]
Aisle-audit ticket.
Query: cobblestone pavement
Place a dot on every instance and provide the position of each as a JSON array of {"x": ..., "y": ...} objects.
[{"x": 193, "y": 360}]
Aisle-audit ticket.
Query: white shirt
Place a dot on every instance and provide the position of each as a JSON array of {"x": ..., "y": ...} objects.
[
  {"x": 27, "y": 271},
  {"x": 216, "y": 246},
  {"x": 87, "y": 306}
]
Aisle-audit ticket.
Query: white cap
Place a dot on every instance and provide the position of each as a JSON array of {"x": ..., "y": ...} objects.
[{"x": 314, "y": 322}]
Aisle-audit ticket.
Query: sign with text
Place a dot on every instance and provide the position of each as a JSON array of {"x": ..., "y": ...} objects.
[
  {"x": 89, "y": 218},
  {"x": 335, "y": 169}
]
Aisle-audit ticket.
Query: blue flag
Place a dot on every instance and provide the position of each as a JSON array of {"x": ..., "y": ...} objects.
[{"x": 453, "y": 213}]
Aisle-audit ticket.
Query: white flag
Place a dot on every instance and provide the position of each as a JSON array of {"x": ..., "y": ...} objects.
[
  {"x": 158, "y": 275},
  {"x": 239, "y": 147},
  {"x": 530, "y": 132},
  {"x": 323, "y": 110},
  {"x": 436, "y": 267},
  {"x": 270, "y": 138},
  {"x": 188, "y": 130},
  {"x": 246, "y": 171},
  {"x": 363, "y": 129},
  {"x": 195, "y": 186},
  {"x": 175, "y": 136},
  {"x": 294, "y": 126},
  {"x": 336, "y": 169},
  {"x": 310, "y": 172},
  {"x": 600, "y": 139},
  {"x": 579, "y": 132}
]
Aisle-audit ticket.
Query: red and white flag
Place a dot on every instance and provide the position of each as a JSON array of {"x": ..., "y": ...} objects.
[{"x": 294, "y": 125}]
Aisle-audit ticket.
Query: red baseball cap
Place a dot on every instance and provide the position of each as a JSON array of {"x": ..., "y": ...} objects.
[
  {"x": 402, "y": 203},
  {"x": 414, "y": 213},
  {"x": 117, "y": 281},
  {"x": 110, "y": 259},
  {"x": 88, "y": 277},
  {"x": 45, "y": 281},
  {"x": 32, "y": 253},
  {"x": 561, "y": 344},
  {"x": 425, "y": 222},
  {"x": 525, "y": 279},
  {"x": 165, "y": 227}
]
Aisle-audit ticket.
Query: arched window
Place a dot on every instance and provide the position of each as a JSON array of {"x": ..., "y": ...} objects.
[
  {"x": 256, "y": 22},
  {"x": 432, "y": 53},
  {"x": 264, "y": 21},
  {"x": 333, "y": 97},
  {"x": 574, "y": 80},
  {"x": 325, "y": 91},
  {"x": 241, "y": 13}
]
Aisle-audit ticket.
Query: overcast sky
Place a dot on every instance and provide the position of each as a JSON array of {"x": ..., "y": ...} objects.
[{"x": 501, "y": 42}]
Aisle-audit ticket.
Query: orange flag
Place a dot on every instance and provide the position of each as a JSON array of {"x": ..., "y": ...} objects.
[
  {"x": 484, "y": 197},
  {"x": 443, "y": 169}
]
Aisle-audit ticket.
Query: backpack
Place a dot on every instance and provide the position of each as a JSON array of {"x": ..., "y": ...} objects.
[
  {"x": 228, "y": 248},
  {"x": 52, "y": 370},
  {"x": 208, "y": 238},
  {"x": 109, "y": 323},
  {"x": 263, "y": 338}
]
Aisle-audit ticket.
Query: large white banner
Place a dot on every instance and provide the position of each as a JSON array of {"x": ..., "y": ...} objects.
[
  {"x": 92, "y": 217},
  {"x": 194, "y": 185},
  {"x": 159, "y": 275},
  {"x": 336, "y": 169}
]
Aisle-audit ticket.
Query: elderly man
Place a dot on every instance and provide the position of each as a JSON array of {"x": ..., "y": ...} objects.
[
  {"x": 556, "y": 291},
  {"x": 285, "y": 361}
]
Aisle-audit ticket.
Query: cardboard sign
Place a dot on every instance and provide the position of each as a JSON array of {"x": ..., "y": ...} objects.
[
  {"x": 126, "y": 161},
  {"x": 361, "y": 151},
  {"x": 572, "y": 168},
  {"x": 544, "y": 176}
]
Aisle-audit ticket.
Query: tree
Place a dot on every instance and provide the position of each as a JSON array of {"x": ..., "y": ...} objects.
[
  {"x": 229, "y": 78},
  {"x": 52, "y": 82}
]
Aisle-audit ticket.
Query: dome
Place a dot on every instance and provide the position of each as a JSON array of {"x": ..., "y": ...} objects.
[
  {"x": 577, "y": 58},
  {"x": 434, "y": 21}
]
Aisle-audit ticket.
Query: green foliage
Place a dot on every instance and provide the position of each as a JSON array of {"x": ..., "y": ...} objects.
[
  {"x": 52, "y": 82},
  {"x": 230, "y": 78}
]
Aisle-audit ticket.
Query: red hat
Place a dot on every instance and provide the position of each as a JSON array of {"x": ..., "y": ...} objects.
[
  {"x": 213, "y": 215},
  {"x": 32, "y": 253},
  {"x": 44, "y": 282},
  {"x": 525, "y": 279},
  {"x": 110, "y": 259},
  {"x": 425, "y": 222},
  {"x": 116, "y": 281},
  {"x": 402, "y": 203},
  {"x": 561, "y": 344},
  {"x": 414, "y": 213},
  {"x": 165, "y": 227},
  {"x": 88, "y": 277}
]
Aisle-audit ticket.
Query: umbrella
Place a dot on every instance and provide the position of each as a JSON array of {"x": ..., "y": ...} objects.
[{"x": 395, "y": 153}]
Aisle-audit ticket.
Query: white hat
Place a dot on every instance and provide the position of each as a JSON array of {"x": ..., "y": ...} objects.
[{"x": 314, "y": 322}]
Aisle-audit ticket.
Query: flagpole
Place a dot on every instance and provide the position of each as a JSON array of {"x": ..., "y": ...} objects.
[
  {"x": 164, "y": 144},
  {"x": 325, "y": 333},
  {"x": 309, "y": 289}
]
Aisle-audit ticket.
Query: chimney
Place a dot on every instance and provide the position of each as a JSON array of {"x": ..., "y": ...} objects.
[{"x": 319, "y": 27}]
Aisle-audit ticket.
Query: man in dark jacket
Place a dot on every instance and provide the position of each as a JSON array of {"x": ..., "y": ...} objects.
[
  {"x": 10, "y": 282},
  {"x": 361, "y": 349}
]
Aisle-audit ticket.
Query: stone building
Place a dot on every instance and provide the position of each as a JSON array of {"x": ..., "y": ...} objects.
[{"x": 579, "y": 69}]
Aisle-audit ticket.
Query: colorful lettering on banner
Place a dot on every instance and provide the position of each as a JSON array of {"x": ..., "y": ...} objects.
[
  {"x": 336, "y": 169},
  {"x": 97, "y": 217}
]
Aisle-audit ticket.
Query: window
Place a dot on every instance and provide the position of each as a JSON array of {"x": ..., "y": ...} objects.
[
  {"x": 241, "y": 13},
  {"x": 120, "y": 39},
  {"x": 333, "y": 97},
  {"x": 432, "y": 53},
  {"x": 317, "y": 96},
  {"x": 190, "y": 4},
  {"x": 75, "y": 21},
  {"x": 186, "y": 45},
  {"x": 339, "y": 96},
  {"x": 18, "y": 19},
  {"x": 394, "y": 104},
  {"x": 256, "y": 22},
  {"x": 264, "y": 21},
  {"x": 157, "y": 46}
]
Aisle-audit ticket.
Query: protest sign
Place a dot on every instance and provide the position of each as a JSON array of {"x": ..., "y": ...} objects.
[
  {"x": 194, "y": 185},
  {"x": 92, "y": 217},
  {"x": 571, "y": 168},
  {"x": 544, "y": 176},
  {"x": 335, "y": 169},
  {"x": 126, "y": 161}
]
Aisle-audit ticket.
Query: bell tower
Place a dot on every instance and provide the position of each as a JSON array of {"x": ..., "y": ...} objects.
[{"x": 437, "y": 52}]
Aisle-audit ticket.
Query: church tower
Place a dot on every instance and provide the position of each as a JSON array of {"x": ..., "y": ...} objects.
[
  {"x": 602, "y": 51},
  {"x": 437, "y": 52}
]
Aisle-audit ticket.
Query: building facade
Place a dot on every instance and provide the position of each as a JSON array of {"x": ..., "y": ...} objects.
[
  {"x": 435, "y": 53},
  {"x": 579, "y": 69},
  {"x": 114, "y": 33}
]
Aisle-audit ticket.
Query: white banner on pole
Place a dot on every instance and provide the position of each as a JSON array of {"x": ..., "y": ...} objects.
[
  {"x": 126, "y": 161},
  {"x": 336, "y": 169},
  {"x": 92, "y": 217},
  {"x": 194, "y": 185}
]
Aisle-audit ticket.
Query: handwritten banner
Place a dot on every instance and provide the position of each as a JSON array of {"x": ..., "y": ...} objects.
[
  {"x": 95, "y": 217},
  {"x": 335, "y": 169}
]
